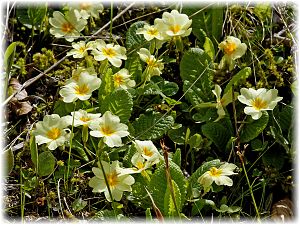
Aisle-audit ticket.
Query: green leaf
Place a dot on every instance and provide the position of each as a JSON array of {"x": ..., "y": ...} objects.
[
  {"x": 8, "y": 157},
  {"x": 177, "y": 157},
  {"x": 9, "y": 56},
  {"x": 195, "y": 67},
  {"x": 46, "y": 163},
  {"x": 285, "y": 118},
  {"x": 207, "y": 22},
  {"x": 238, "y": 79},
  {"x": 195, "y": 141},
  {"x": 119, "y": 102},
  {"x": 152, "y": 125},
  {"x": 78, "y": 204},
  {"x": 209, "y": 48},
  {"x": 169, "y": 206},
  {"x": 217, "y": 133},
  {"x": 134, "y": 67},
  {"x": 253, "y": 128},
  {"x": 169, "y": 88},
  {"x": 177, "y": 135},
  {"x": 77, "y": 146},
  {"x": 148, "y": 215},
  {"x": 33, "y": 150},
  {"x": 107, "y": 85},
  {"x": 32, "y": 16},
  {"x": 275, "y": 158},
  {"x": 193, "y": 181},
  {"x": 226, "y": 209},
  {"x": 134, "y": 40},
  {"x": 158, "y": 185}
]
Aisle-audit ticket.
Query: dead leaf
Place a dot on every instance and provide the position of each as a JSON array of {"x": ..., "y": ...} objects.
[
  {"x": 282, "y": 210},
  {"x": 15, "y": 86},
  {"x": 20, "y": 108}
]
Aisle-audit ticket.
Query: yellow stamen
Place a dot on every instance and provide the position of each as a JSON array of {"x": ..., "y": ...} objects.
[
  {"x": 147, "y": 152},
  {"x": 152, "y": 31},
  {"x": 85, "y": 119},
  {"x": 67, "y": 27},
  {"x": 109, "y": 52},
  {"x": 82, "y": 89},
  {"x": 259, "y": 104},
  {"x": 81, "y": 49},
  {"x": 112, "y": 179},
  {"x": 140, "y": 165},
  {"x": 230, "y": 48},
  {"x": 54, "y": 133},
  {"x": 175, "y": 28},
  {"x": 118, "y": 79},
  {"x": 106, "y": 130},
  {"x": 214, "y": 172}
]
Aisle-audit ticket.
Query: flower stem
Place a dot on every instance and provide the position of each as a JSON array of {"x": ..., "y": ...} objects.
[
  {"x": 70, "y": 149},
  {"x": 251, "y": 192}
]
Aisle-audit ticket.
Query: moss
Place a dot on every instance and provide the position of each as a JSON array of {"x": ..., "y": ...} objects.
[{"x": 44, "y": 59}]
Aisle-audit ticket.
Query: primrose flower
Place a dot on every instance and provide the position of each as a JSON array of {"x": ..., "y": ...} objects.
[
  {"x": 218, "y": 175},
  {"x": 221, "y": 102},
  {"x": 82, "y": 118},
  {"x": 139, "y": 164},
  {"x": 173, "y": 25},
  {"x": 258, "y": 101},
  {"x": 81, "y": 88},
  {"x": 67, "y": 26},
  {"x": 122, "y": 79},
  {"x": 118, "y": 181},
  {"x": 150, "y": 32},
  {"x": 148, "y": 151},
  {"x": 85, "y": 10},
  {"x": 110, "y": 128},
  {"x": 79, "y": 49},
  {"x": 81, "y": 71},
  {"x": 154, "y": 65},
  {"x": 113, "y": 53},
  {"x": 51, "y": 131},
  {"x": 233, "y": 49}
]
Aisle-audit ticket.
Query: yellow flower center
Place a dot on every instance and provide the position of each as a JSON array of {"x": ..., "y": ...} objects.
[
  {"x": 82, "y": 89},
  {"x": 151, "y": 62},
  {"x": 112, "y": 179},
  {"x": 152, "y": 31},
  {"x": 54, "y": 133},
  {"x": 230, "y": 48},
  {"x": 67, "y": 27},
  {"x": 118, "y": 80},
  {"x": 109, "y": 52},
  {"x": 85, "y": 119},
  {"x": 147, "y": 152},
  {"x": 106, "y": 130},
  {"x": 214, "y": 172},
  {"x": 82, "y": 49},
  {"x": 175, "y": 28},
  {"x": 140, "y": 165},
  {"x": 84, "y": 6},
  {"x": 259, "y": 104}
]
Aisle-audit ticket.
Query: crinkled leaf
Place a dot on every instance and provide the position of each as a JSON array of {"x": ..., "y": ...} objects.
[
  {"x": 169, "y": 206},
  {"x": 120, "y": 103},
  {"x": 151, "y": 126},
  {"x": 238, "y": 79},
  {"x": 217, "y": 133},
  {"x": 46, "y": 163},
  {"x": 195, "y": 65},
  {"x": 253, "y": 128},
  {"x": 158, "y": 185},
  {"x": 32, "y": 16},
  {"x": 134, "y": 40}
]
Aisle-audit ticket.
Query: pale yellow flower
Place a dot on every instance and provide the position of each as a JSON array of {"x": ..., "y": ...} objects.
[
  {"x": 173, "y": 24},
  {"x": 110, "y": 128},
  {"x": 118, "y": 181},
  {"x": 79, "y": 49},
  {"x": 82, "y": 118},
  {"x": 67, "y": 26},
  {"x": 258, "y": 101},
  {"x": 52, "y": 131},
  {"x": 86, "y": 9},
  {"x": 122, "y": 79},
  {"x": 150, "y": 32},
  {"x": 218, "y": 175},
  {"x": 113, "y": 53},
  {"x": 233, "y": 49}
]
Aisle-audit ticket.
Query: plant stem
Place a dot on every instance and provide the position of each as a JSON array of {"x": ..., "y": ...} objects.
[
  {"x": 251, "y": 192},
  {"x": 71, "y": 138},
  {"x": 111, "y": 20}
]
